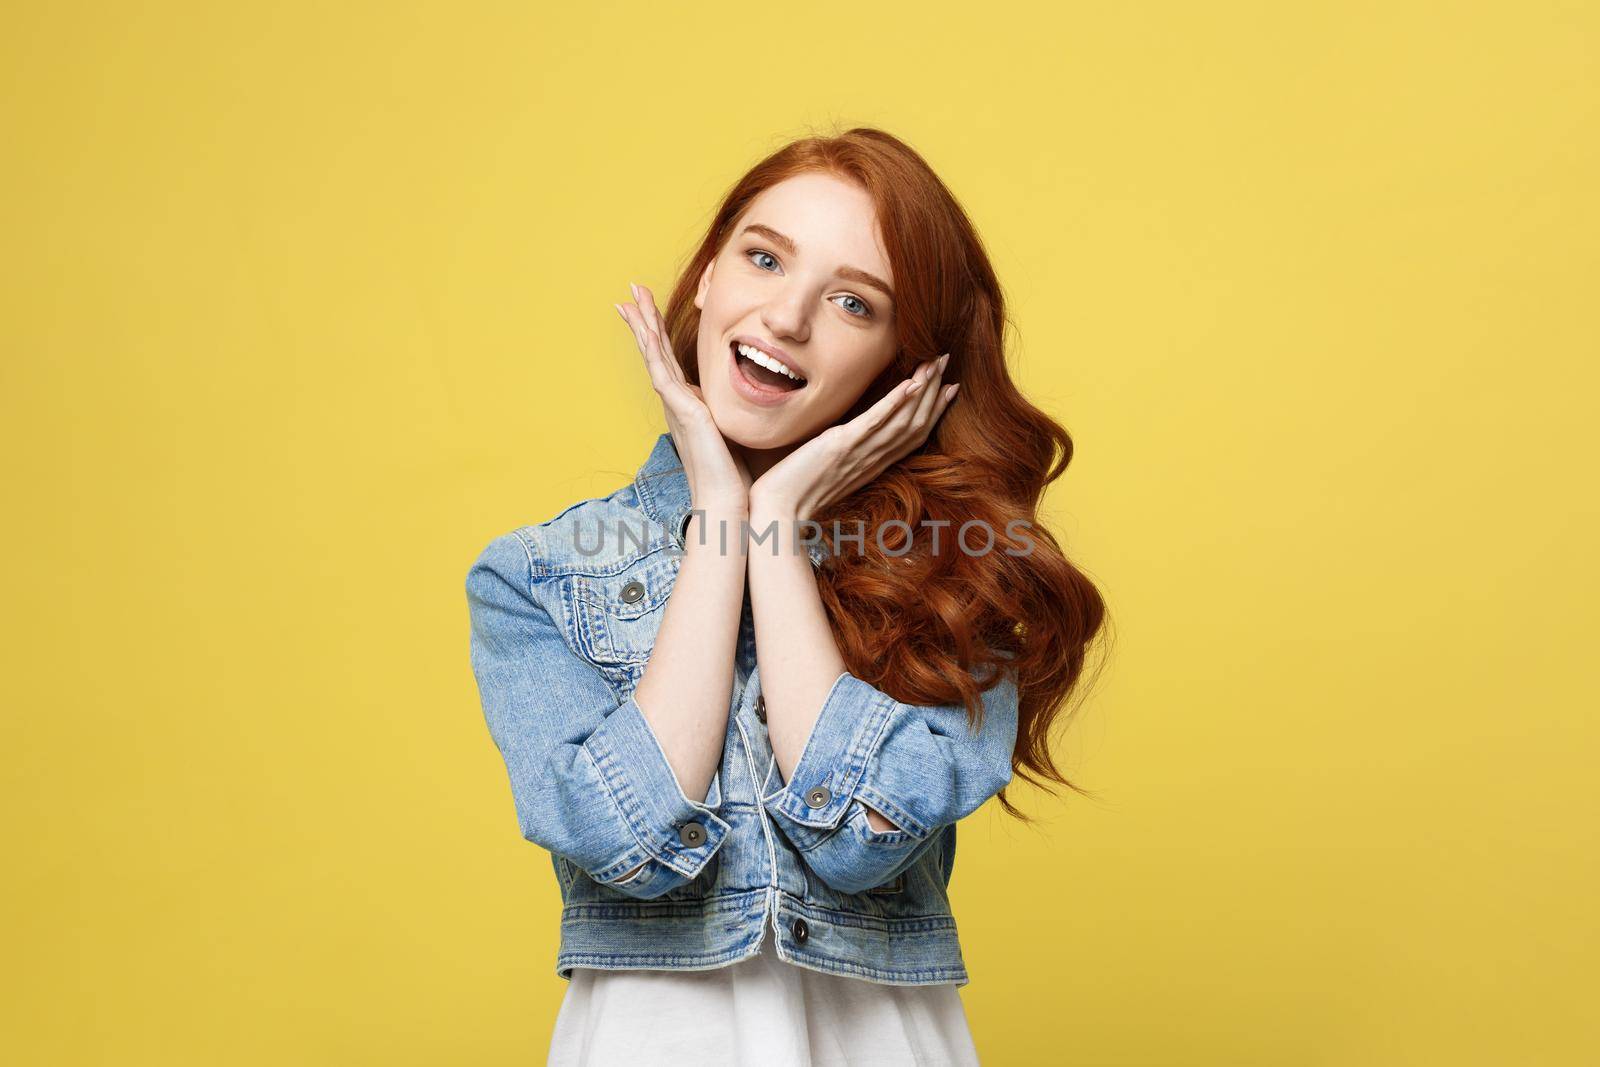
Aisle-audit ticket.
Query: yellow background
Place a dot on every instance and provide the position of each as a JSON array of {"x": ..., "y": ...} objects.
[{"x": 304, "y": 303}]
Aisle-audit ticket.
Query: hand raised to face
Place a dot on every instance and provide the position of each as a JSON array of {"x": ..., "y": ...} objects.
[
  {"x": 717, "y": 476},
  {"x": 841, "y": 459}
]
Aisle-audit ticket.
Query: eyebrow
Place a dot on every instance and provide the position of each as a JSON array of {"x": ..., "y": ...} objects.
[{"x": 855, "y": 274}]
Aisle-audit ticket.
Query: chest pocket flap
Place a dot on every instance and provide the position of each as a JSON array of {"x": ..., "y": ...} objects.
[{"x": 618, "y": 616}]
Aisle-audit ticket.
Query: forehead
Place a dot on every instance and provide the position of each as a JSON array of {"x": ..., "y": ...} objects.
[{"x": 829, "y": 218}]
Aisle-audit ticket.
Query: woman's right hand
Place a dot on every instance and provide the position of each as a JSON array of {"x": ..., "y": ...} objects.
[{"x": 718, "y": 478}]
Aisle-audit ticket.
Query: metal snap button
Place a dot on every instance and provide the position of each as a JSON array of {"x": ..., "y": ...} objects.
[
  {"x": 761, "y": 708},
  {"x": 632, "y": 592},
  {"x": 801, "y": 931},
  {"x": 818, "y": 797},
  {"x": 692, "y": 834}
]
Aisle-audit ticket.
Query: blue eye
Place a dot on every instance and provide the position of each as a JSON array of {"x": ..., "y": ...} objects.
[{"x": 864, "y": 313}]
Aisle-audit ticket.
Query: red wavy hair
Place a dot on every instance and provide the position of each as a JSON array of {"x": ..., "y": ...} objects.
[{"x": 932, "y": 627}]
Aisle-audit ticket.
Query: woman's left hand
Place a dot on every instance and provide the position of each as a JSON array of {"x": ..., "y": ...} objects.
[{"x": 841, "y": 459}]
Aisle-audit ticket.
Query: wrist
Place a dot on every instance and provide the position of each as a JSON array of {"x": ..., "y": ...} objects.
[
  {"x": 774, "y": 535},
  {"x": 726, "y": 506},
  {"x": 715, "y": 527},
  {"x": 768, "y": 507}
]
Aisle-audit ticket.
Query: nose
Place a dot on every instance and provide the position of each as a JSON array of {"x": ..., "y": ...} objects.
[{"x": 787, "y": 313}]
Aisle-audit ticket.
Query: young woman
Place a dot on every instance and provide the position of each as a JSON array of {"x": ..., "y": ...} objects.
[{"x": 745, "y": 699}]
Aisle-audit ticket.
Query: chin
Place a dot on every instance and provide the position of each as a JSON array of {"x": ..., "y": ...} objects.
[{"x": 753, "y": 429}]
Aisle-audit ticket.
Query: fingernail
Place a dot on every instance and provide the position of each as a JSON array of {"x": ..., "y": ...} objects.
[
  {"x": 943, "y": 360},
  {"x": 621, "y": 312},
  {"x": 953, "y": 389},
  {"x": 634, "y": 289}
]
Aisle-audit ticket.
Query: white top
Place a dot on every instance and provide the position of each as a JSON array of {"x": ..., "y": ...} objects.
[{"x": 759, "y": 1011}]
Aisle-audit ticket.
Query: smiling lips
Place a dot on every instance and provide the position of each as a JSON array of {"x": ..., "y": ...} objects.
[
  {"x": 770, "y": 359},
  {"x": 760, "y": 377}
]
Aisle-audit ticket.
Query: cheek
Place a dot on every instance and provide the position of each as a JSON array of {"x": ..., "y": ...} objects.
[
  {"x": 846, "y": 383},
  {"x": 855, "y": 373},
  {"x": 710, "y": 350},
  {"x": 845, "y": 387},
  {"x": 706, "y": 351}
]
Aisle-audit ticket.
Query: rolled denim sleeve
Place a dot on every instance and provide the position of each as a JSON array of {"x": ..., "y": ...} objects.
[
  {"x": 588, "y": 776},
  {"x": 923, "y": 768}
]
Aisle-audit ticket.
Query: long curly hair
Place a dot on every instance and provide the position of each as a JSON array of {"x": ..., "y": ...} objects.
[{"x": 938, "y": 626}]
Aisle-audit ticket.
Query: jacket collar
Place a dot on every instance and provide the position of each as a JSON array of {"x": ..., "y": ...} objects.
[{"x": 663, "y": 490}]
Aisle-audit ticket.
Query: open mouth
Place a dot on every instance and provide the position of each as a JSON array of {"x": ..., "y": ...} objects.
[{"x": 763, "y": 371}]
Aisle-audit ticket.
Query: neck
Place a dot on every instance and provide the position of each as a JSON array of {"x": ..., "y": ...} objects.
[{"x": 760, "y": 460}]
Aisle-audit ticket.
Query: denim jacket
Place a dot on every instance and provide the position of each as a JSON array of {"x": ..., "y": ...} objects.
[{"x": 563, "y": 616}]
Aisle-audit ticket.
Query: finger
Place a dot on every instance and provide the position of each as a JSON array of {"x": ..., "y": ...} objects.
[
  {"x": 655, "y": 321},
  {"x": 678, "y": 393},
  {"x": 928, "y": 396},
  {"x": 670, "y": 357},
  {"x": 630, "y": 315},
  {"x": 642, "y": 333},
  {"x": 878, "y": 414},
  {"x": 651, "y": 314},
  {"x": 899, "y": 424},
  {"x": 658, "y": 358},
  {"x": 669, "y": 362},
  {"x": 660, "y": 375},
  {"x": 647, "y": 304},
  {"x": 946, "y": 395},
  {"x": 907, "y": 431}
]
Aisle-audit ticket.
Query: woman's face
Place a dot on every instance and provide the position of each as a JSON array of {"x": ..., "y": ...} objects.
[{"x": 804, "y": 280}]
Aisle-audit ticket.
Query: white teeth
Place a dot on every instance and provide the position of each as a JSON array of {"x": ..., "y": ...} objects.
[{"x": 755, "y": 355}]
